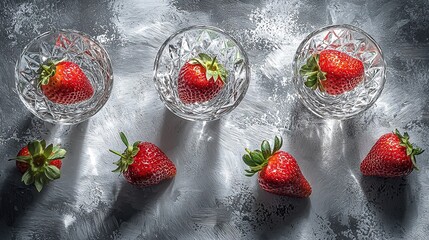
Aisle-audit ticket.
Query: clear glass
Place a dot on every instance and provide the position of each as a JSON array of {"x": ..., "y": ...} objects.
[
  {"x": 188, "y": 43},
  {"x": 356, "y": 43},
  {"x": 68, "y": 45}
]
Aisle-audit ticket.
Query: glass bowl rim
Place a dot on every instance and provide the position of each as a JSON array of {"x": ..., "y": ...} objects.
[
  {"x": 345, "y": 26},
  {"x": 203, "y": 27},
  {"x": 44, "y": 34}
]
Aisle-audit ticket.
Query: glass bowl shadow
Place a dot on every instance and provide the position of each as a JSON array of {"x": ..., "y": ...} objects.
[
  {"x": 188, "y": 43},
  {"x": 66, "y": 45},
  {"x": 356, "y": 43}
]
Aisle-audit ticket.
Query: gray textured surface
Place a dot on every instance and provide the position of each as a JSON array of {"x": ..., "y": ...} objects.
[{"x": 210, "y": 198}]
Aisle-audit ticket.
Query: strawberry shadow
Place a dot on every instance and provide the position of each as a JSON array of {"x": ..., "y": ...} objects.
[
  {"x": 136, "y": 205},
  {"x": 18, "y": 199},
  {"x": 15, "y": 196},
  {"x": 129, "y": 204},
  {"x": 391, "y": 198},
  {"x": 274, "y": 215}
]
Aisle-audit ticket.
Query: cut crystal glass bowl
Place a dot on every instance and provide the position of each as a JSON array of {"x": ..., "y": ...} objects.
[
  {"x": 356, "y": 43},
  {"x": 187, "y": 44},
  {"x": 64, "y": 45}
]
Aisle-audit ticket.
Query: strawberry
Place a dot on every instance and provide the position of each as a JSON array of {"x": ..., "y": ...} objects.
[
  {"x": 64, "y": 82},
  {"x": 333, "y": 71},
  {"x": 143, "y": 164},
  {"x": 201, "y": 79},
  {"x": 39, "y": 164},
  {"x": 391, "y": 156},
  {"x": 279, "y": 172}
]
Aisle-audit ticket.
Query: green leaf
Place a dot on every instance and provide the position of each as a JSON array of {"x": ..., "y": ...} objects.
[
  {"x": 418, "y": 151},
  {"x": 32, "y": 148},
  {"x": 266, "y": 149},
  {"x": 312, "y": 74},
  {"x": 310, "y": 83},
  {"x": 406, "y": 136},
  {"x": 124, "y": 139},
  {"x": 409, "y": 151},
  {"x": 278, "y": 142},
  {"x": 56, "y": 148},
  {"x": 23, "y": 159},
  {"x": 27, "y": 178},
  {"x": 248, "y": 160},
  {"x": 117, "y": 153},
  {"x": 59, "y": 154},
  {"x": 135, "y": 151},
  {"x": 39, "y": 184},
  {"x": 321, "y": 76},
  {"x": 118, "y": 169},
  {"x": 52, "y": 172},
  {"x": 136, "y": 144},
  {"x": 257, "y": 157},
  {"x": 193, "y": 61},
  {"x": 204, "y": 57},
  {"x": 43, "y": 144},
  {"x": 48, "y": 151},
  {"x": 38, "y": 147},
  {"x": 249, "y": 173}
]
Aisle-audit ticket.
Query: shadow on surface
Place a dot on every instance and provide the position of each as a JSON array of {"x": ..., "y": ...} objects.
[
  {"x": 174, "y": 131},
  {"x": 130, "y": 202},
  {"x": 390, "y": 197},
  {"x": 273, "y": 219},
  {"x": 15, "y": 196}
]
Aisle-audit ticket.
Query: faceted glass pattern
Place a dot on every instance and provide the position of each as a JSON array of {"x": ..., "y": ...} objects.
[
  {"x": 187, "y": 44},
  {"x": 356, "y": 43},
  {"x": 67, "y": 45}
]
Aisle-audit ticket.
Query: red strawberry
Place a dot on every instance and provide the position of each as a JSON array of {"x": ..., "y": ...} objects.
[
  {"x": 201, "y": 79},
  {"x": 39, "y": 164},
  {"x": 279, "y": 172},
  {"x": 143, "y": 164},
  {"x": 65, "y": 83},
  {"x": 391, "y": 156},
  {"x": 333, "y": 71}
]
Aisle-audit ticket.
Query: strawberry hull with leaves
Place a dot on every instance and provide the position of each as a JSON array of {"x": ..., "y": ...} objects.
[
  {"x": 391, "y": 156},
  {"x": 64, "y": 82},
  {"x": 39, "y": 163},
  {"x": 333, "y": 72},
  {"x": 279, "y": 172},
  {"x": 143, "y": 164},
  {"x": 201, "y": 79}
]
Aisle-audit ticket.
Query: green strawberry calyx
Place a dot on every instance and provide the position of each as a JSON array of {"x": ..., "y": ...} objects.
[
  {"x": 40, "y": 171},
  {"x": 314, "y": 74},
  {"x": 127, "y": 157},
  {"x": 258, "y": 159},
  {"x": 47, "y": 70},
  {"x": 412, "y": 150},
  {"x": 213, "y": 68}
]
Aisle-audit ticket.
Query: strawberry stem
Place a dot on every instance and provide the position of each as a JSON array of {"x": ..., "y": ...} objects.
[
  {"x": 411, "y": 149},
  {"x": 212, "y": 63},
  {"x": 47, "y": 71},
  {"x": 314, "y": 74},
  {"x": 127, "y": 157},
  {"x": 213, "y": 68},
  {"x": 258, "y": 159},
  {"x": 40, "y": 171}
]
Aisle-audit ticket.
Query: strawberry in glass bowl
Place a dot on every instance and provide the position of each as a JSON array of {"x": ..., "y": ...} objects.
[
  {"x": 64, "y": 76},
  {"x": 201, "y": 73},
  {"x": 339, "y": 71}
]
